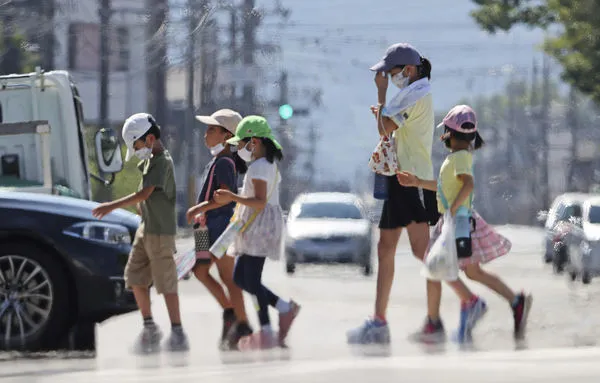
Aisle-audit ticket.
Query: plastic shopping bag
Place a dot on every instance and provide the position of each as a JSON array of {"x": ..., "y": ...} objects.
[
  {"x": 441, "y": 263},
  {"x": 184, "y": 261},
  {"x": 219, "y": 248}
]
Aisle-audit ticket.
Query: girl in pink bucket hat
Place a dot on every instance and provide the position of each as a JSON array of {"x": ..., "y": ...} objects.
[{"x": 476, "y": 241}]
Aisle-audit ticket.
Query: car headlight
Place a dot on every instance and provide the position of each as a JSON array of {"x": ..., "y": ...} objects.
[{"x": 104, "y": 232}]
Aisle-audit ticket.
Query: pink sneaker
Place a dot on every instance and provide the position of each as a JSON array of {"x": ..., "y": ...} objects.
[
  {"x": 285, "y": 322},
  {"x": 262, "y": 340}
]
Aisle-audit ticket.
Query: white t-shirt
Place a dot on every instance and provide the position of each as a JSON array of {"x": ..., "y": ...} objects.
[{"x": 262, "y": 169}]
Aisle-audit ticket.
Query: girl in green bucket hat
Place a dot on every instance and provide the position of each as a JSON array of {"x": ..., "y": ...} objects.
[{"x": 258, "y": 207}]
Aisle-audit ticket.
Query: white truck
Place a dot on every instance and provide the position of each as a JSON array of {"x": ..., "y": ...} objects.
[{"x": 49, "y": 99}]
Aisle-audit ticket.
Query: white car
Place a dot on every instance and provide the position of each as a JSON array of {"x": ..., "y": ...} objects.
[
  {"x": 328, "y": 228},
  {"x": 583, "y": 243}
]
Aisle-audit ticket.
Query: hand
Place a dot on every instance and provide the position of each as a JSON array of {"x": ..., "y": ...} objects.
[
  {"x": 200, "y": 219},
  {"x": 103, "y": 209},
  {"x": 190, "y": 214},
  {"x": 381, "y": 80},
  {"x": 223, "y": 196},
  {"x": 374, "y": 110},
  {"x": 453, "y": 210},
  {"x": 407, "y": 179}
]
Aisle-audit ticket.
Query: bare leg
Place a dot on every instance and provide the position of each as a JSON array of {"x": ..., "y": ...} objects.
[
  {"x": 418, "y": 235},
  {"x": 172, "y": 302},
  {"x": 491, "y": 281},
  {"x": 142, "y": 298},
  {"x": 225, "y": 266},
  {"x": 386, "y": 250},
  {"x": 201, "y": 272}
]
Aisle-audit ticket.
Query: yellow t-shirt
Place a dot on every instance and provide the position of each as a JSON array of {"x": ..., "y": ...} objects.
[
  {"x": 414, "y": 138},
  {"x": 456, "y": 163}
]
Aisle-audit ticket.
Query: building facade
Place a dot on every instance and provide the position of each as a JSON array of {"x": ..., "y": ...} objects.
[{"x": 77, "y": 32}]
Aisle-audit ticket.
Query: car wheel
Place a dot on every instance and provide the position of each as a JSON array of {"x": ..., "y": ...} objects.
[
  {"x": 290, "y": 268},
  {"x": 585, "y": 278},
  {"x": 34, "y": 298}
]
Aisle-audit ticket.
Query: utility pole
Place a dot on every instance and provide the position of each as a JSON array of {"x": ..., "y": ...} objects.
[
  {"x": 545, "y": 125},
  {"x": 48, "y": 42},
  {"x": 251, "y": 22},
  {"x": 313, "y": 137},
  {"x": 104, "y": 11},
  {"x": 572, "y": 123},
  {"x": 233, "y": 53},
  {"x": 288, "y": 148},
  {"x": 189, "y": 165},
  {"x": 156, "y": 60}
]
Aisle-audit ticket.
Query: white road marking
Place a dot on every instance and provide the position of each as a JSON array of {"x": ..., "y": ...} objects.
[{"x": 557, "y": 362}]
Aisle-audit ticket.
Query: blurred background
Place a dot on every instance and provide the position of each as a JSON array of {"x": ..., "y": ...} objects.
[{"x": 304, "y": 65}]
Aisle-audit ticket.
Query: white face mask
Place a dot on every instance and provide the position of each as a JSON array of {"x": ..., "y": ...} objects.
[
  {"x": 245, "y": 154},
  {"x": 399, "y": 80},
  {"x": 143, "y": 153},
  {"x": 216, "y": 149}
]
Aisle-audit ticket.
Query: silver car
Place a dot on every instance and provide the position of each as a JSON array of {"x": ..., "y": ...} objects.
[
  {"x": 328, "y": 228},
  {"x": 583, "y": 243}
]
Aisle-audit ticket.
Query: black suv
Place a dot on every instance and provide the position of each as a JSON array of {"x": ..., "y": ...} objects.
[{"x": 61, "y": 271}]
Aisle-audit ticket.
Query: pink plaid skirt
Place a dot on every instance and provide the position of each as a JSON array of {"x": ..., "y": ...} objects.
[{"x": 487, "y": 244}]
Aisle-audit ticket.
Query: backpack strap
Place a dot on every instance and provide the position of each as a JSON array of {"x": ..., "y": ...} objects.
[{"x": 212, "y": 174}]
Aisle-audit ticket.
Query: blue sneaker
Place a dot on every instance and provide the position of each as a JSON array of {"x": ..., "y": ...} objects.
[
  {"x": 372, "y": 331},
  {"x": 470, "y": 314}
]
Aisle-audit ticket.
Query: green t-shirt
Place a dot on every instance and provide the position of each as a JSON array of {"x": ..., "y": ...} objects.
[{"x": 158, "y": 211}]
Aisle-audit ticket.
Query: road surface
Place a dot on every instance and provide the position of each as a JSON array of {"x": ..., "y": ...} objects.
[{"x": 562, "y": 333}]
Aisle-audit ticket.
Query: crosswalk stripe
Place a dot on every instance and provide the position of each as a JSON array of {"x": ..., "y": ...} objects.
[{"x": 558, "y": 361}]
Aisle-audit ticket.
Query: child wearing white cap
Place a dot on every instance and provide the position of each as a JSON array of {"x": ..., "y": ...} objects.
[{"x": 151, "y": 260}]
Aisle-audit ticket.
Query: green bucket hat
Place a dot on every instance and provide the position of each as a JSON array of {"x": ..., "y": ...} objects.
[{"x": 253, "y": 126}]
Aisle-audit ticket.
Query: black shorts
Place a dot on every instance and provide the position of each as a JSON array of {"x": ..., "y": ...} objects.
[{"x": 405, "y": 206}]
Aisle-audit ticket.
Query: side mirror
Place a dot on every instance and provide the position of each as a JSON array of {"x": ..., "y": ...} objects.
[{"x": 108, "y": 151}]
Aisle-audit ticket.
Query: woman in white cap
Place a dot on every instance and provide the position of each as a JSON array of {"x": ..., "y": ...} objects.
[
  {"x": 409, "y": 116},
  {"x": 208, "y": 215}
]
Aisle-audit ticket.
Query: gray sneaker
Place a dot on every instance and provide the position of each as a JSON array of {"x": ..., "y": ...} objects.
[
  {"x": 178, "y": 341},
  {"x": 149, "y": 339},
  {"x": 371, "y": 332}
]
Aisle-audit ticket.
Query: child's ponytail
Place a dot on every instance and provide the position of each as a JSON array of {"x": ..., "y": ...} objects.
[
  {"x": 478, "y": 141},
  {"x": 425, "y": 68}
]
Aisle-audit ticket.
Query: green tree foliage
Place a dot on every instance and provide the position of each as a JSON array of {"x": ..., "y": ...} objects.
[
  {"x": 18, "y": 55},
  {"x": 575, "y": 45}
]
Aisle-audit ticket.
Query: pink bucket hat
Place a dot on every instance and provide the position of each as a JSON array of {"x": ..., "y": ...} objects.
[{"x": 458, "y": 116}]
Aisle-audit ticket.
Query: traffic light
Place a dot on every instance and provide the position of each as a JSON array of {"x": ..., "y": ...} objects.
[{"x": 286, "y": 111}]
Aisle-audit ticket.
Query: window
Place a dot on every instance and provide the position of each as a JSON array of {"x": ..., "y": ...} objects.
[
  {"x": 84, "y": 47},
  {"x": 120, "y": 54},
  {"x": 594, "y": 214},
  {"x": 328, "y": 210}
]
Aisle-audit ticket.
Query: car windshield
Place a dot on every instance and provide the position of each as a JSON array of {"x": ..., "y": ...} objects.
[
  {"x": 594, "y": 214},
  {"x": 328, "y": 210}
]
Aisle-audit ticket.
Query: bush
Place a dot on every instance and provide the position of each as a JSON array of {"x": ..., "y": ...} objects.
[{"x": 126, "y": 182}]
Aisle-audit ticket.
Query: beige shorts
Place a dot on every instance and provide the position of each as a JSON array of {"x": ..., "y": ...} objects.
[{"x": 151, "y": 261}]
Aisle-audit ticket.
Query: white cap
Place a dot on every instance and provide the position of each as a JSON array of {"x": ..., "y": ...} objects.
[
  {"x": 134, "y": 128},
  {"x": 227, "y": 118}
]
